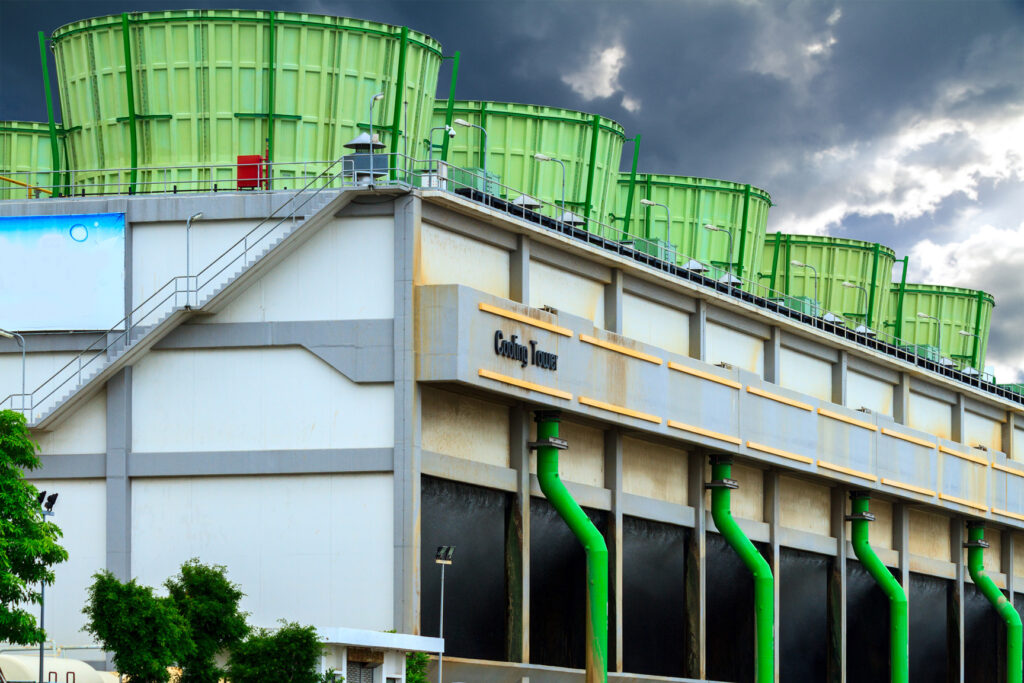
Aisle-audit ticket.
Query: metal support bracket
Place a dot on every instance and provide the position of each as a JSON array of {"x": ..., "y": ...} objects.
[
  {"x": 860, "y": 516},
  {"x": 722, "y": 484},
  {"x": 549, "y": 442}
]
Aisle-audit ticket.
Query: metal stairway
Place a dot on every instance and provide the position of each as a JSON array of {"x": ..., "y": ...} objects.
[{"x": 184, "y": 296}]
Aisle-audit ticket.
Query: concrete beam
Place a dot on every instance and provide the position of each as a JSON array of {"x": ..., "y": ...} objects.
[
  {"x": 773, "y": 356},
  {"x": 698, "y": 331},
  {"x": 84, "y": 466},
  {"x": 240, "y": 463},
  {"x": 840, "y": 369},
  {"x": 901, "y": 399},
  {"x": 772, "y": 512},
  {"x": 613, "y": 303},
  {"x": 696, "y": 568},
  {"x": 519, "y": 271},
  {"x": 837, "y": 591},
  {"x": 613, "y": 482},
  {"x": 517, "y": 541},
  {"x": 119, "y": 488}
]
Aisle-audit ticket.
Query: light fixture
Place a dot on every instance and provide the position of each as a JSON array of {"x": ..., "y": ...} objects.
[
  {"x": 542, "y": 157},
  {"x": 648, "y": 202},
  {"x": 41, "y": 497},
  {"x": 444, "y": 554},
  {"x": 50, "y": 500}
]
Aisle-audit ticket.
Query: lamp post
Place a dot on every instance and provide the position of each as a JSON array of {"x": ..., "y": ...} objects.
[
  {"x": 938, "y": 323},
  {"x": 715, "y": 228},
  {"x": 443, "y": 558},
  {"x": 188, "y": 256},
  {"x": 863, "y": 328},
  {"x": 430, "y": 142},
  {"x": 483, "y": 152},
  {"x": 21, "y": 340},
  {"x": 965, "y": 333},
  {"x": 373, "y": 100},
  {"x": 801, "y": 264},
  {"x": 46, "y": 509},
  {"x": 544, "y": 157}
]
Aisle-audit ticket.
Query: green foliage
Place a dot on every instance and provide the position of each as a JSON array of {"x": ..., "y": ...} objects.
[
  {"x": 206, "y": 599},
  {"x": 287, "y": 655},
  {"x": 145, "y": 633},
  {"x": 416, "y": 667},
  {"x": 28, "y": 545}
]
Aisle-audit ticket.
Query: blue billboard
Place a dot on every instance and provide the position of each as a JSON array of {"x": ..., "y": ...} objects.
[{"x": 62, "y": 272}]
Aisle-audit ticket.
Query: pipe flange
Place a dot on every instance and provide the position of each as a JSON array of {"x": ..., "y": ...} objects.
[
  {"x": 860, "y": 517},
  {"x": 976, "y": 544},
  {"x": 722, "y": 484},
  {"x": 549, "y": 442}
]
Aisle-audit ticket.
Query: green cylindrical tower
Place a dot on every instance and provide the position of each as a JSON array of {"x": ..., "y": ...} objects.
[
  {"x": 693, "y": 203},
  {"x": 866, "y": 266},
  {"x": 25, "y": 156},
  {"x": 589, "y": 145},
  {"x": 205, "y": 86},
  {"x": 965, "y": 315}
]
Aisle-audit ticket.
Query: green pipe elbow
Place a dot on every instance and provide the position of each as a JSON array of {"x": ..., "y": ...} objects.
[
  {"x": 764, "y": 583},
  {"x": 976, "y": 565},
  {"x": 899, "y": 641},
  {"x": 588, "y": 535}
]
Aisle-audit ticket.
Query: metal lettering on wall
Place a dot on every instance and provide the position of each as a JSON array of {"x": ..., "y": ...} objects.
[{"x": 511, "y": 348}]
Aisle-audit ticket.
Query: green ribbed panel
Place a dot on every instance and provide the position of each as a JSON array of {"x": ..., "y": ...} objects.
[
  {"x": 837, "y": 260},
  {"x": 202, "y": 88},
  {"x": 24, "y": 147},
  {"x": 694, "y": 202},
  {"x": 515, "y": 132},
  {"x": 957, "y": 309}
]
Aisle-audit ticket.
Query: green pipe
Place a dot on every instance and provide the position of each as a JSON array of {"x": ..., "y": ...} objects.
[
  {"x": 743, "y": 234},
  {"x": 130, "y": 87},
  {"x": 396, "y": 119},
  {"x": 789, "y": 257},
  {"x": 632, "y": 184},
  {"x": 899, "y": 652},
  {"x": 450, "y": 110},
  {"x": 54, "y": 152},
  {"x": 721, "y": 486},
  {"x": 272, "y": 92},
  {"x": 647, "y": 209},
  {"x": 587, "y": 205},
  {"x": 775, "y": 258},
  {"x": 548, "y": 444},
  {"x": 975, "y": 563},
  {"x": 977, "y": 332},
  {"x": 898, "y": 332},
  {"x": 874, "y": 280}
]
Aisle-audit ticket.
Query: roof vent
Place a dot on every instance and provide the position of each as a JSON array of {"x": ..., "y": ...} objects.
[
  {"x": 362, "y": 143},
  {"x": 572, "y": 219},
  {"x": 695, "y": 266},
  {"x": 526, "y": 201}
]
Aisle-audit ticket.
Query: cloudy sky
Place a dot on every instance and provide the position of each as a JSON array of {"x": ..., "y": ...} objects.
[{"x": 891, "y": 120}]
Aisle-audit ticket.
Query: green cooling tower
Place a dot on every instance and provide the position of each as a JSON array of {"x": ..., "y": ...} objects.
[
  {"x": 692, "y": 204},
  {"x": 589, "y": 145},
  {"x": 967, "y": 311},
  {"x": 866, "y": 265},
  {"x": 205, "y": 86},
  {"x": 25, "y": 156}
]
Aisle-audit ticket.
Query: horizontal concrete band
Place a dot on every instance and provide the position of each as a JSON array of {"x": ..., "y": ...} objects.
[
  {"x": 514, "y": 672},
  {"x": 221, "y": 463}
]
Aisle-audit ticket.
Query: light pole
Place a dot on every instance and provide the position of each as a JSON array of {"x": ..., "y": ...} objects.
[
  {"x": 373, "y": 100},
  {"x": 938, "y": 324},
  {"x": 443, "y": 557},
  {"x": 965, "y": 333},
  {"x": 21, "y": 341},
  {"x": 430, "y": 142},
  {"x": 715, "y": 228},
  {"x": 863, "y": 328},
  {"x": 544, "y": 157},
  {"x": 483, "y": 154},
  {"x": 188, "y": 256},
  {"x": 801, "y": 264},
  {"x": 46, "y": 509}
]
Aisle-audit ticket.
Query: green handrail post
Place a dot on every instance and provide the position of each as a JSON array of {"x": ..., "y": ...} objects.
[
  {"x": 898, "y": 332},
  {"x": 899, "y": 648},
  {"x": 54, "y": 151},
  {"x": 721, "y": 486},
  {"x": 396, "y": 119},
  {"x": 449, "y": 113},
  {"x": 130, "y": 87},
  {"x": 976, "y": 545},
  {"x": 548, "y": 444},
  {"x": 632, "y": 184},
  {"x": 587, "y": 206},
  {"x": 874, "y": 281}
]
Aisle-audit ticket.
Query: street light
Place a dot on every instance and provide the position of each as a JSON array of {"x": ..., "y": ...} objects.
[
  {"x": 801, "y": 264},
  {"x": 715, "y": 228},
  {"x": 942, "y": 361},
  {"x": 483, "y": 155},
  {"x": 430, "y": 141},
  {"x": 21, "y": 341},
  {"x": 46, "y": 510},
  {"x": 188, "y": 256},
  {"x": 373, "y": 100},
  {"x": 443, "y": 558},
  {"x": 970, "y": 370},
  {"x": 544, "y": 157},
  {"x": 863, "y": 328}
]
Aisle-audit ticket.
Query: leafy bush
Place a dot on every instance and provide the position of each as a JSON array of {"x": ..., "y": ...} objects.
[
  {"x": 416, "y": 667},
  {"x": 287, "y": 655}
]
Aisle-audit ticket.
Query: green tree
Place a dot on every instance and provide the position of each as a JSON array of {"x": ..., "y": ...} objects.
[
  {"x": 206, "y": 599},
  {"x": 416, "y": 667},
  {"x": 145, "y": 633},
  {"x": 287, "y": 655},
  {"x": 28, "y": 544}
]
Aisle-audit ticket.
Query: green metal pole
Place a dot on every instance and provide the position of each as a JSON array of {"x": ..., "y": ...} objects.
[
  {"x": 977, "y": 332},
  {"x": 54, "y": 151},
  {"x": 548, "y": 444},
  {"x": 743, "y": 231},
  {"x": 975, "y": 563},
  {"x": 899, "y": 648},
  {"x": 874, "y": 281},
  {"x": 272, "y": 94},
  {"x": 789, "y": 257},
  {"x": 632, "y": 184},
  {"x": 130, "y": 87},
  {"x": 449, "y": 114},
  {"x": 775, "y": 258},
  {"x": 647, "y": 209},
  {"x": 396, "y": 119},
  {"x": 764, "y": 584},
  {"x": 898, "y": 332},
  {"x": 596, "y": 125}
]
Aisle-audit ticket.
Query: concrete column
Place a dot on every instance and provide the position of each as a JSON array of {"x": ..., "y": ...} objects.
[
  {"x": 901, "y": 399},
  {"x": 696, "y": 569},
  {"x": 408, "y": 455},
  {"x": 1006, "y": 560},
  {"x": 119, "y": 487},
  {"x": 839, "y": 370},
  {"x": 901, "y": 543},
  {"x": 957, "y": 420},
  {"x": 519, "y": 271},
  {"x": 956, "y": 608},
  {"x": 613, "y": 482},
  {"x": 517, "y": 542},
  {"x": 1007, "y": 436},
  {"x": 772, "y": 361},
  {"x": 837, "y": 591},
  {"x": 699, "y": 331},
  {"x": 772, "y": 515},
  {"x": 613, "y": 303}
]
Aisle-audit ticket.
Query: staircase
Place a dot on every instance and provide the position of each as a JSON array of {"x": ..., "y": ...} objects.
[{"x": 185, "y": 296}]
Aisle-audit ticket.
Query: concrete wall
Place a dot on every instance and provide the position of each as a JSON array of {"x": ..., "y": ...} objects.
[
  {"x": 806, "y": 374},
  {"x": 566, "y": 291},
  {"x": 465, "y": 427},
  {"x": 654, "y": 470},
  {"x": 451, "y": 258},
  {"x": 727, "y": 345},
  {"x": 865, "y": 391},
  {"x": 655, "y": 324}
]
